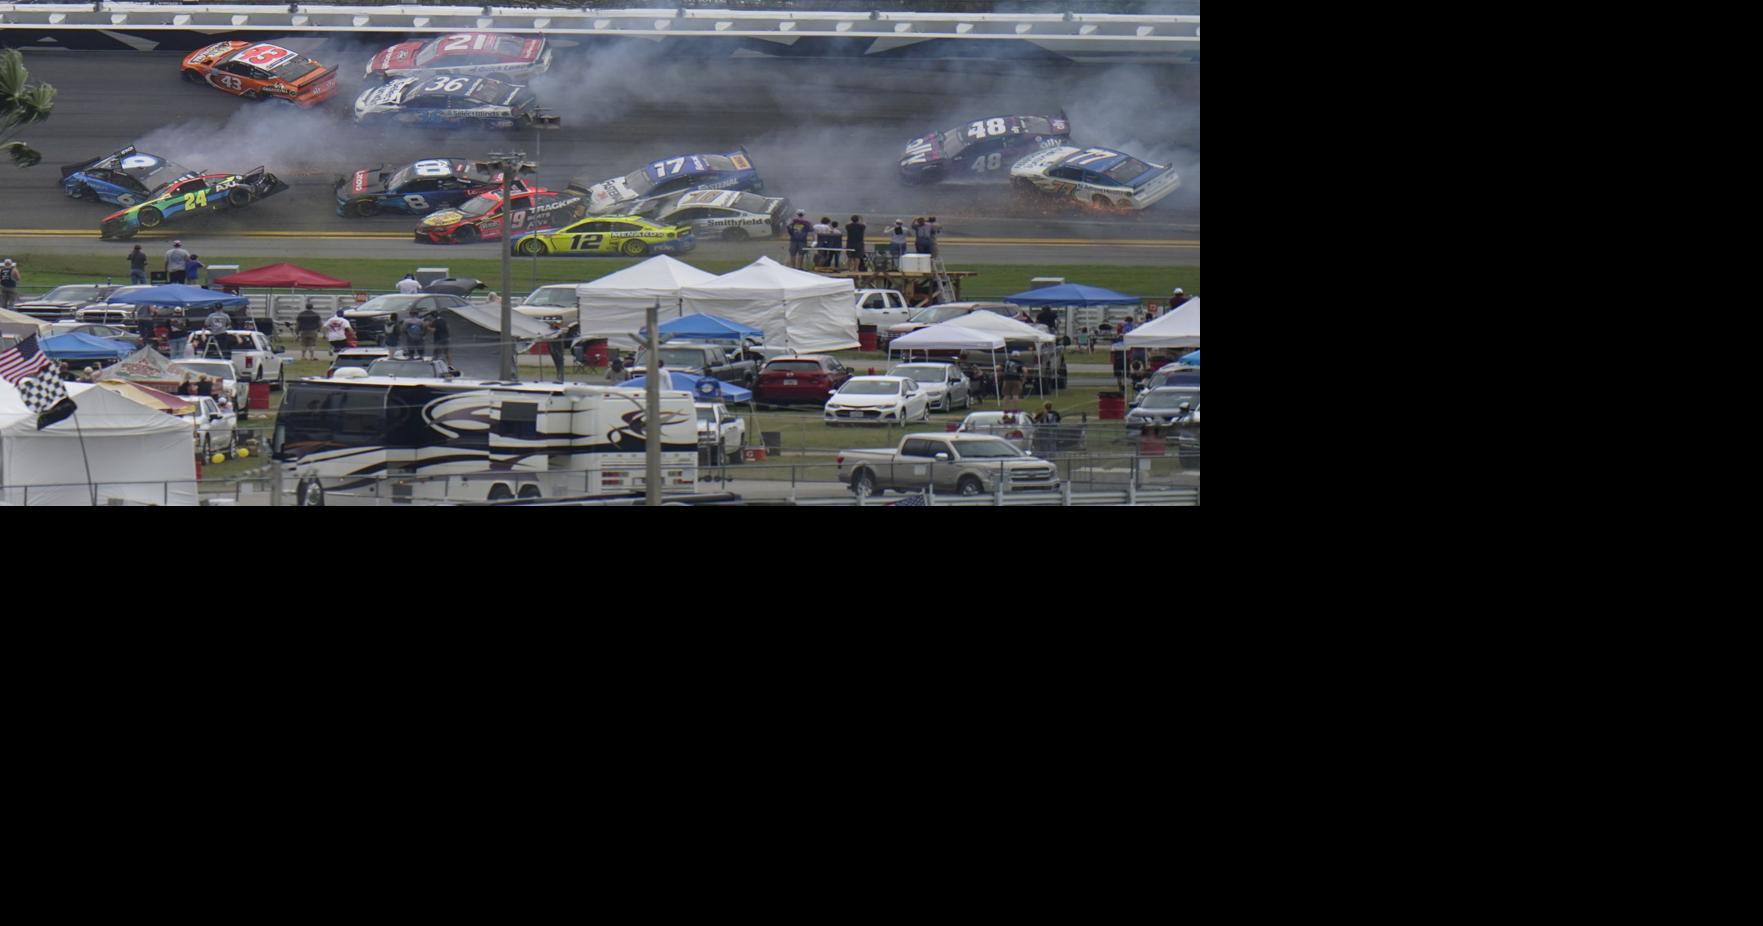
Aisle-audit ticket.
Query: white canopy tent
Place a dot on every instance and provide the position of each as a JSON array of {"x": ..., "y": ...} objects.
[
  {"x": 805, "y": 312},
  {"x": 1011, "y": 330},
  {"x": 1180, "y": 328},
  {"x": 950, "y": 336},
  {"x": 132, "y": 452},
  {"x": 22, "y": 326},
  {"x": 612, "y": 307}
]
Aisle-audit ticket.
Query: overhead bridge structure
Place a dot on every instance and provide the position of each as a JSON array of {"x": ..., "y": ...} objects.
[{"x": 792, "y": 33}]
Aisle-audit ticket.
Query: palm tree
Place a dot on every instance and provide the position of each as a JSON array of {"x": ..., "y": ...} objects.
[{"x": 22, "y": 103}]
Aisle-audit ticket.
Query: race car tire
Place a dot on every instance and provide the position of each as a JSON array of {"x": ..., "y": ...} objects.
[
  {"x": 735, "y": 234},
  {"x": 364, "y": 208},
  {"x": 467, "y": 235},
  {"x": 238, "y": 197},
  {"x": 1026, "y": 190},
  {"x": 533, "y": 247},
  {"x": 82, "y": 191},
  {"x": 1101, "y": 202},
  {"x": 252, "y": 96},
  {"x": 193, "y": 76},
  {"x": 634, "y": 248},
  {"x": 149, "y": 217}
]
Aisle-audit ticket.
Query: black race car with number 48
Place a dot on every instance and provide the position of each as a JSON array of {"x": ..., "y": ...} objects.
[{"x": 982, "y": 149}]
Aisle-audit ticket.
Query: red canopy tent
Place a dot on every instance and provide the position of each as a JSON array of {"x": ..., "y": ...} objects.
[{"x": 282, "y": 276}]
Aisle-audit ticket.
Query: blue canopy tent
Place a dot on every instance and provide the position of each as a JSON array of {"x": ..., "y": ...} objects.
[
  {"x": 1192, "y": 359},
  {"x": 1072, "y": 294},
  {"x": 80, "y": 346},
  {"x": 173, "y": 295},
  {"x": 706, "y": 328},
  {"x": 704, "y": 387}
]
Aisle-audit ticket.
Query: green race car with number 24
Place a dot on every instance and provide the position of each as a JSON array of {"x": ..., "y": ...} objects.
[
  {"x": 626, "y": 235},
  {"x": 191, "y": 195}
]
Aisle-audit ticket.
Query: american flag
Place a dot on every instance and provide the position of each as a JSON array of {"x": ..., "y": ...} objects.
[
  {"x": 22, "y": 361},
  {"x": 911, "y": 501}
]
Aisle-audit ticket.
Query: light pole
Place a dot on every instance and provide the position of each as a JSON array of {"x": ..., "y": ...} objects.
[{"x": 509, "y": 163}]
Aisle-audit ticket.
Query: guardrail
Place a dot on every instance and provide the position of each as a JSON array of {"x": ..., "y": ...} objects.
[{"x": 1067, "y": 33}]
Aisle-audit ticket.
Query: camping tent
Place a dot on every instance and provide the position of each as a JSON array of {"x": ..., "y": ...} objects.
[
  {"x": 1009, "y": 328},
  {"x": 173, "y": 295},
  {"x": 282, "y": 276},
  {"x": 147, "y": 367},
  {"x": 613, "y": 306},
  {"x": 687, "y": 382},
  {"x": 948, "y": 336},
  {"x": 20, "y": 325},
  {"x": 1180, "y": 328},
  {"x": 132, "y": 452},
  {"x": 152, "y": 398},
  {"x": 706, "y": 328},
  {"x": 1072, "y": 294},
  {"x": 805, "y": 312},
  {"x": 475, "y": 335},
  {"x": 78, "y": 345}
]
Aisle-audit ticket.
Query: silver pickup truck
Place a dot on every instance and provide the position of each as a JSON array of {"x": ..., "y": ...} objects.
[{"x": 966, "y": 464}]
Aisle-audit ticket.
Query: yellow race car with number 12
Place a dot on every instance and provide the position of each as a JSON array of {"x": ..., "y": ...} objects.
[{"x": 626, "y": 235}]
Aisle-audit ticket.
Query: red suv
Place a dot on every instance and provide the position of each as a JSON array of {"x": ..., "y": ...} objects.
[{"x": 806, "y": 380}]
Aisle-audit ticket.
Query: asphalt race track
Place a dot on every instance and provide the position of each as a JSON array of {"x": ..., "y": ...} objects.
[{"x": 826, "y": 134}]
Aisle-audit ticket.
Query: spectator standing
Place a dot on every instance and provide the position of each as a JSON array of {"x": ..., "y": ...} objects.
[
  {"x": 1048, "y": 317},
  {"x": 144, "y": 322},
  {"x": 798, "y": 229},
  {"x": 306, "y": 324},
  {"x": 137, "y": 265},
  {"x": 408, "y": 286},
  {"x": 898, "y": 238},
  {"x": 854, "y": 243},
  {"x": 557, "y": 349},
  {"x": 176, "y": 260},
  {"x": 443, "y": 340},
  {"x": 920, "y": 236},
  {"x": 823, "y": 234},
  {"x": 837, "y": 243},
  {"x": 185, "y": 387},
  {"x": 193, "y": 271},
  {"x": 204, "y": 386},
  {"x": 617, "y": 375},
  {"x": 1177, "y": 298},
  {"x": 389, "y": 340},
  {"x": 218, "y": 321},
  {"x": 936, "y": 234},
  {"x": 1012, "y": 378},
  {"x": 1083, "y": 339},
  {"x": 337, "y": 331},
  {"x": 415, "y": 330},
  {"x": 8, "y": 283}
]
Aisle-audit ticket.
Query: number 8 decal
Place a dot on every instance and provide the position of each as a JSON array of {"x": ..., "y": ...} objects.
[
  {"x": 416, "y": 203},
  {"x": 432, "y": 169}
]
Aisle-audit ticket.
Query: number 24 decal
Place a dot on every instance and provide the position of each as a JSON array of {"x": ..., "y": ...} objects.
[{"x": 196, "y": 200}]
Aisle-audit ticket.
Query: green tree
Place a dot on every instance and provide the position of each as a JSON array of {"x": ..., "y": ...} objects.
[{"x": 22, "y": 103}]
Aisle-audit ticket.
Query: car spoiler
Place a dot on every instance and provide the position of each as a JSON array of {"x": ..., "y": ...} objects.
[
  {"x": 71, "y": 169},
  {"x": 544, "y": 120}
]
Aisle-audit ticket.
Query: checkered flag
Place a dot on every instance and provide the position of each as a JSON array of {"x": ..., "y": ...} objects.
[{"x": 44, "y": 394}]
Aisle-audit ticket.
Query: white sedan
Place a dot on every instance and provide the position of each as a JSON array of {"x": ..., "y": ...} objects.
[
  {"x": 1099, "y": 177},
  {"x": 877, "y": 400},
  {"x": 944, "y": 384}
]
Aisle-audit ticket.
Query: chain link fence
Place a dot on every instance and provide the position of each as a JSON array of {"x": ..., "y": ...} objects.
[{"x": 1138, "y": 7}]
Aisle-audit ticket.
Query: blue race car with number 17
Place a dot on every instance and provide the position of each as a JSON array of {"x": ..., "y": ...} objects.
[
  {"x": 417, "y": 189},
  {"x": 642, "y": 191},
  {"x": 124, "y": 178}
]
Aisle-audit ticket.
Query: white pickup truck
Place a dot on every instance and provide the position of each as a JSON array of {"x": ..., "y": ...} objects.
[
  {"x": 256, "y": 359},
  {"x": 881, "y": 308},
  {"x": 966, "y": 464},
  {"x": 721, "y": 436}
]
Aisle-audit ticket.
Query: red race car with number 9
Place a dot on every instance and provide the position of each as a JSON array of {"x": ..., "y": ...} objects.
[
  {"x": 260, "y": 71},
  {"x": 480, "y": 218}
]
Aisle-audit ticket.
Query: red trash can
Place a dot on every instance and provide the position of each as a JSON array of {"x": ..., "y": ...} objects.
[
  {"x": 1111, "y": 406},
  {"x": 866, "y": 337},
  {"x": 259, "y": 397}
]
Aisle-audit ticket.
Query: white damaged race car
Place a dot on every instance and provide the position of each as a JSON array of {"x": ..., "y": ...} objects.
[
  {"x": 1094, "y": 176},
  {"x": 726, "y": 214}
]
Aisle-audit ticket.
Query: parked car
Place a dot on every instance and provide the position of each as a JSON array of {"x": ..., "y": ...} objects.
[
  {"x": 369, "y": 318},
  {"x": 944, "y": 384},
  {"x": 881, "y": 308},
  {"x": 877, "y": 400},
  {"x": 252, "y": 354},
  {"x": 62, "y": 301},
  {"x": 411, "y": 369},
  {"x": 1171, "y": 374},
  {"x": 1170, "y": 406},
  {"x": 702, "y": 360},
  {"x": 359, "y": 358},
  {"x": 966, "y": 464},
  {"x": 799, "y": 379},
  {"x": 720, "y": 434},
  {"x": 97, "y": 331},
  {"x": 216, "y": 427},
  {"x": 1014, "y": 426},
  {"x": 223, "y": 370},
  {"x": 937, "y": 314}
]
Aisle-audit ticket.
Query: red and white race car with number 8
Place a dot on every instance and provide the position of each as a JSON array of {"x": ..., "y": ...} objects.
[{"x": 260, "y": 71}]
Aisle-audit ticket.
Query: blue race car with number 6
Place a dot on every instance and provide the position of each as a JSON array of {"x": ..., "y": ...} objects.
[
  {"x": 642, "y": 191},
  {"x": 417, "y": 189},
  {"x": 125, "y": 178}
]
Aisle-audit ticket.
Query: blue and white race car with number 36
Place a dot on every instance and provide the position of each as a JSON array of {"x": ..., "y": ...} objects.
[
  {"x": 1094, "y": 176},
  {"x": 444, "y": 100}
]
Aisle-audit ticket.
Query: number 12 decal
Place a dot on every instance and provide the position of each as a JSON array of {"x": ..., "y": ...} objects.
[{"x": 583, "y": 242}]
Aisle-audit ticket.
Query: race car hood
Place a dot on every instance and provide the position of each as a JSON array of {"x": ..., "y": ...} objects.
[
  {"x": 398, "y": 56},
  {"x": 923, "y": 150},
  {"x": 1041, "y": 160},
  {"x": 446, "y": 217},
  {"x": 387, "y": 94},
  {"x": 212, "y": 54}
]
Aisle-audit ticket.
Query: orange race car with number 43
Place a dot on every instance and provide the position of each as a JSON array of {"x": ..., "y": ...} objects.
[{"x": 260, "y": 71}]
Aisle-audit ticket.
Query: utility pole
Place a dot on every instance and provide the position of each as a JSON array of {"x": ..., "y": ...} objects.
[
  {"x": 652, "y": 416},
  {"x": 509, "y": 163}
]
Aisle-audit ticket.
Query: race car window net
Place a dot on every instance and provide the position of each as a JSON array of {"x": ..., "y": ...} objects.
[
  {"x": 752, "y": 203},
  {"x": 490, "y": 91},
  {"x": 1127, "y": 171},
  {"x": 481, "y": 205}
]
